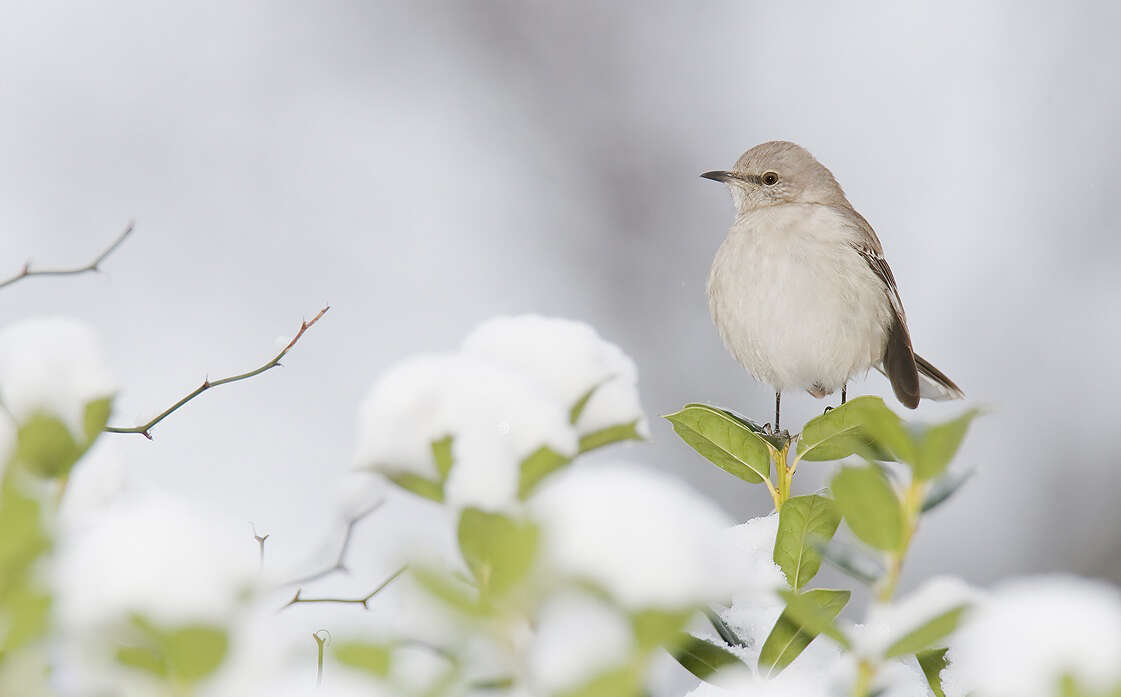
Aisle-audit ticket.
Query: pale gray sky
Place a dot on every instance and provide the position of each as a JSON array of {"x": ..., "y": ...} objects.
[{"x": 422, "y": 166}]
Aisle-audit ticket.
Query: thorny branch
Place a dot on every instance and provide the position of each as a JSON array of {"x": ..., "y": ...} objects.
[
  {"x": 364, "y": 601},
  {"x": 340, "y": 560},
  {"x": 145, "y": 429},
  {"x": 93, "y": 266}
]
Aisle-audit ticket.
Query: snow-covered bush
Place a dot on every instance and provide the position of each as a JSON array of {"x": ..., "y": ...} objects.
[{"x": 548, "y": 573}]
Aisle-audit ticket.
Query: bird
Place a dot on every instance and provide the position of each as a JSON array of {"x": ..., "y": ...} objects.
[{"x": 799, "y": 289}]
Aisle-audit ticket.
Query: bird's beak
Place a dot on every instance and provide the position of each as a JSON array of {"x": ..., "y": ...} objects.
[{"x": 719, "y": 176}]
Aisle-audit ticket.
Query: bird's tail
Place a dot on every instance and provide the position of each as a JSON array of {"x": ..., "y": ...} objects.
[{"x": 933, "y": 383}]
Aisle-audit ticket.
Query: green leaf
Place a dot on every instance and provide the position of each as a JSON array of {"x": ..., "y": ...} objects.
[
  {"x": 933, "y": 662},
  {"x": 776, "y": 440},
  {"x": 46, "y": 446},
  {"x": 927, "y": 634},
  {"x": 703, "y": 658},
  {"x": 25, "y": 613},
  {"x": 655, "y": 628},
  {"x": 536, "y": 466},
  {"x": 852, "y": 560},
  {"x": 609, "y": 435},
  {"x": 453, "y": 592},
  {"x": 617, "y": 682},
  {"x": 945, "y": 487},
  {"x": 726, "y": 633},
  {"x": 578, "y": 408},
  {"x": 938, "y": 444},
  {"x": 882, "y": 426},
  {"x": 498, "y": 549},
  {"x": 442, "y": 456},
  {"x": 806, "y": 615},
  {"x": 182, "y": 654},
  {"x": 194, "y": 652},
  {"x": 801, "y": 520},
  {"x": 841, "y": 432},
  {"x": 372, "y": 658},
  {"x": 870, "y": 506},
  {"x": 144, "y": 659},
  {"x": 724, "y": 441},
  {"x": 418, "y": 485}
]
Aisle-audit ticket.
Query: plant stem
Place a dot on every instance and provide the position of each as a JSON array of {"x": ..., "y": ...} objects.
[{"x": 912, "y": 503}]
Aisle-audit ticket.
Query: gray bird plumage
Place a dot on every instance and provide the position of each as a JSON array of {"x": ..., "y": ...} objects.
[{"x": 800, "y": 290}]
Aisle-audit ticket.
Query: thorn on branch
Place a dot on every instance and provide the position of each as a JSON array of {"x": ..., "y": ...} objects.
[
  {"x": 145, "y": 429},
  {"x": 364, "y": 600},
  {"x": 92, "y": 267},
  {"x": 340, "y": 560}
]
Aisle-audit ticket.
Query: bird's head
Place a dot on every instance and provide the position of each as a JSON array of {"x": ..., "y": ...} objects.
[{"x": 778, "y": 172}]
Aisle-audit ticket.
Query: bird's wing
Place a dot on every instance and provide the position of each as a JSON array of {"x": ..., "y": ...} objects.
[{"x": 899, "y": 356}]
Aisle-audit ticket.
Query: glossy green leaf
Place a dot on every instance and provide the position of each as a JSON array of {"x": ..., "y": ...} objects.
[
  {"x": 803, "y": 519},
  {"x": 944, "y": 487},
  {"x": 928, "y": 634},
  {"x": 703, "y": 658},
  {"x": 882, "y": 426},
  {"x": 938, "y": 444},
  {"x": 724, "y": 441},
  {"x": 498, "y": 549},
  {"x": 655, "y": 628},
  {"x": 372, "y": 658},
  {"x": 840, "y": 432},
  {"x": 870, "y": 506},
  {"x": 611, "y": 434},
  {"x": 806, "y": 615},
  {"x": 536, "y": 466},
  {"x": 933, "y": 662}
]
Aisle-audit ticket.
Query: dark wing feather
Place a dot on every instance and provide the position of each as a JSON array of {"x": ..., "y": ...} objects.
[{"x": 899, "y": 357}]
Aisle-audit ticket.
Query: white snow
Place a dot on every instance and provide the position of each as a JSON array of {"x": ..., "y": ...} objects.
[
  {"x": 578, "y": 637},
  {"x": 887, "y": 623},
  {"x": 567, "y": 358},
  {"x": 1031, "y": 631},
  {"x": 53, "y": 365},
  {"x": 495, "y": 416},
  {"x": 645, "y": 537},
  {"x": 97, "y": 480},
  {"x": 153, "y": 554}
]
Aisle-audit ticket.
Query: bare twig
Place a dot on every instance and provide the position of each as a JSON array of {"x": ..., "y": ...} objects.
[
  {"x": 320, "y": 642},
  {"x": 260, "y": 543},
  {"x": 145, "y": 429},
  {"x": 364, "y": 601},
  {"x": 93, "y": 266},
  {"x": 340, "y": 560}
]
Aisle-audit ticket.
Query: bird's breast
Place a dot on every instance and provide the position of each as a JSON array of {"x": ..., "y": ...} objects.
[{"x": 793, "y": 302}]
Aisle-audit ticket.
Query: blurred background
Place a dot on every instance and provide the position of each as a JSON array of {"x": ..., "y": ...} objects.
[{"x": 422, "y": 166}]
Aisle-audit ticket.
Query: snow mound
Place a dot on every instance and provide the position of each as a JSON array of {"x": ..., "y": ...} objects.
[
  {"x": 646, "y": 538},
  {"x": 52, "y": 365}
]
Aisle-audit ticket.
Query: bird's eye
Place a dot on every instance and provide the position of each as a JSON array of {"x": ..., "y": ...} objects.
[{"x": 770, "y": 178}]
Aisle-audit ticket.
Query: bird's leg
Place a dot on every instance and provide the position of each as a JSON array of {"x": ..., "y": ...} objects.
[
  {"x": 778, "y": 403},
  {"x": 844, "y": 389}
]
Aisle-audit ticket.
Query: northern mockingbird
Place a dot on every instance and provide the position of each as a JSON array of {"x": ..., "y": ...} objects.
[{"x": 800, "y": 290}]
